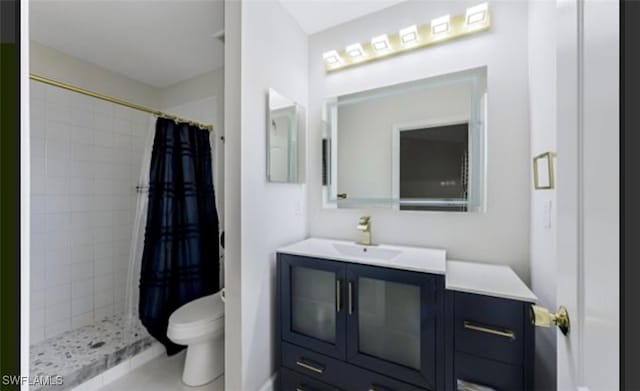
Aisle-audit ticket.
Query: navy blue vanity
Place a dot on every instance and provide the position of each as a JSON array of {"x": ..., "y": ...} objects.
[{"x": 353, "y": 323}]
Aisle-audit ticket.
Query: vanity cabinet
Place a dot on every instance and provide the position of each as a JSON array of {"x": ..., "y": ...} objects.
[
  {"x": 352, "y": 326},
  {"x": 356, "y": 326}
]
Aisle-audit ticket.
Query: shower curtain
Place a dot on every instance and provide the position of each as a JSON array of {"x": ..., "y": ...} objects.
[{"x": 180, "y": 260}]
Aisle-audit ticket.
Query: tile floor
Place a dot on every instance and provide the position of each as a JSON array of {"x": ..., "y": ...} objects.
[{"x": 160, "y": 374}]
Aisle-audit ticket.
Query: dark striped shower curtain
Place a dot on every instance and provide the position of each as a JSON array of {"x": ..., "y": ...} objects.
[{"x": 180, "y": 260}]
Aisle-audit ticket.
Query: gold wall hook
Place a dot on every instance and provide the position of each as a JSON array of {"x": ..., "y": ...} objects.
[{"x": 542, "y": 317}]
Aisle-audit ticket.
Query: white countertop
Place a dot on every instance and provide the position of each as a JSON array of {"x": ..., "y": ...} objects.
[
  {"x": 487, "y": 279},
  {"x": 416, "y": 259},
  {"x": 472, "y": 277}
]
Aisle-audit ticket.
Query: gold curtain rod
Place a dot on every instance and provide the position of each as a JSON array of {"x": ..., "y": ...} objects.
[{"x": 117, "y": 101}]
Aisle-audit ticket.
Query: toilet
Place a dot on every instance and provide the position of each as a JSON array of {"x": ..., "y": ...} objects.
[{"x": 199, "y": 325}]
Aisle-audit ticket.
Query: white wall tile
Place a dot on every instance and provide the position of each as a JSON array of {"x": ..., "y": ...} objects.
[
  {"x": 56, "y": 185},
  {"x": 56, "y": 167},
  {"x": 82, "y": 271},
  {"x": 57, "y": 113},
  {"x": 58, "y": 295},
  {"x": 102, "y": 266},
  {"x": 80, "y": 289},
  {"x": 82, "y": 320},
  {"x": 57, "y": 275},
  {"x": 82, "y": 305},
  {"x": 57, "y": 312},
  {"x": 56, "y": 327},
  {"x": 83, "y": 196},
  {"x": 58, "y": 132},
  {"x": 101, "y": 313},
  {"x": 38, "y": 223},
  {"x": 36, "y": 334}
]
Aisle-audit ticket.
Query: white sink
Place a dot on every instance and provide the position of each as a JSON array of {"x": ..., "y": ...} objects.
[
  {"x": 369, "y": 252},
  {"x": 419, "y": 259}
]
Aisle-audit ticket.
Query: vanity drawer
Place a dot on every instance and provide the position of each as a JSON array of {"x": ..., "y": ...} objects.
[
  {"x": 489, "y": 327},
  {"x": 472, "y": 373},
  {"x": 294, "y": 381},
  {"x": 312, "y": 364},
  {"x": 339, "y": 373}
]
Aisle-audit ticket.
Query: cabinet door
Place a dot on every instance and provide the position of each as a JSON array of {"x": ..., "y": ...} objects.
[
  {"x": 392, "y": 323},
  {"x": 312, "y": 304}
]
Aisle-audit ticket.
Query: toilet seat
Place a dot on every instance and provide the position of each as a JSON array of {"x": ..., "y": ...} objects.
[{"x": 200, "y": 317}]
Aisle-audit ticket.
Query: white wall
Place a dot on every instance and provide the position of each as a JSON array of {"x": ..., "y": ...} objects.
[
  {"x": 56, "y": 65},
  {"x": 273, "y": 55},
  {"x": 542, "y": 122},
  {"x": 85, "y": 163},
  {"x": 501, "y": 235},
  {"x": 202, "y": 99}
]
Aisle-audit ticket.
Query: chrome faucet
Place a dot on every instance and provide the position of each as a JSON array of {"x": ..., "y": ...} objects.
[{"x": 364, "y": 225}]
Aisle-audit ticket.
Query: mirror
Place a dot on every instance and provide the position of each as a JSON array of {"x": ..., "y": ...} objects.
[
  {"x": 285, "y": 139},
  {"x": 416, "y": 146}
]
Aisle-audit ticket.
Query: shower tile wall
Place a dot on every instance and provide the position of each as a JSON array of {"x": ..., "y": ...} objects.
[{"x": 85, "y": 163}]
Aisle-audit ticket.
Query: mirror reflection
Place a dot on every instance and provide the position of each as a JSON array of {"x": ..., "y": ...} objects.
[
  {"x": 284, "y": 130},
  {"x": 411, "y": 146}
]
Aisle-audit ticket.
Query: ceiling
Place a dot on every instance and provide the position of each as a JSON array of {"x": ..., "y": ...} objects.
[
  {"x": 156, "y": 42},
  {"x": 162, "y": 42},
  {"x": 317, "y": 15}
]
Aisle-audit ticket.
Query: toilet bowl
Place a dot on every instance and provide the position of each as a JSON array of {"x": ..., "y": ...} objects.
[{"x": 199, "y": 325}]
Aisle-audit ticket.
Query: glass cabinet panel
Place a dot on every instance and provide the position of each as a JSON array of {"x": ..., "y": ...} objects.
[
  {"x": 389, "y": 321},
  {"x": 313, "y": 298}
]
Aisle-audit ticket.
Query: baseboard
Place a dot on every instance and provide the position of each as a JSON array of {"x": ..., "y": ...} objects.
[{"x": 270, "y": 384}]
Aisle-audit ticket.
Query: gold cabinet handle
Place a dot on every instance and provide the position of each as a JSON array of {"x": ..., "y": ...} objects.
[
  {"x": 338, "y": 298},
  {"x": 312, "y": 367},
  {"x": 350, "y": 293},
  {"x": 490, "y": 330},
  {"x": 463, "y": 385}
]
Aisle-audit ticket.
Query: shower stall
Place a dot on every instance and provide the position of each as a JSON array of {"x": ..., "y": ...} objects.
[{"x": 90, "y": 165}]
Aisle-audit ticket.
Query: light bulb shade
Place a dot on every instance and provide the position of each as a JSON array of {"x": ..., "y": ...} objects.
[
  {"x": 441, "y": 25},
  {"x": 332, "y": 57},
  {"x": 380, "y": 43},
  {"x": 476, "y": 15},
  {"x": 355, "y": 51},
  {"x": 409, "y": 35}
]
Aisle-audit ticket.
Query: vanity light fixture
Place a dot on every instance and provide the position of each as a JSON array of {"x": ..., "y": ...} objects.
[
  {"x": 332, "y": 58},
  {"x": 355, "y": 51},
  {"x": 409, "y": 35},
  {"x": 380, "y": 43},
  {"x": 441, "y": 25},
  {"x": 476, "y": 15},
  {"x": 442, "y": 29}
]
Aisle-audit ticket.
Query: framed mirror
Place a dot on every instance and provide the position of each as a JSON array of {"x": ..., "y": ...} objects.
[
  {"x": 415, "y": 146},
  {"x": 285, "y": 139}
]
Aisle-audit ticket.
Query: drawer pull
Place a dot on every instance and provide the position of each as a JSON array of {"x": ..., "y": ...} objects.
[
  {"x": 304, "y": 387},
  {"x": 338, "y": 298},
  {"x": 312, "y": 367},
  {"x": 490, "y": 330},
  {"x": 468, "y": 386},
  {"x": 375, "y": 387}
]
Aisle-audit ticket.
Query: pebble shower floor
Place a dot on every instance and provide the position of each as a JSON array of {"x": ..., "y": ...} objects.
[{"x": 80, "y": 354}]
